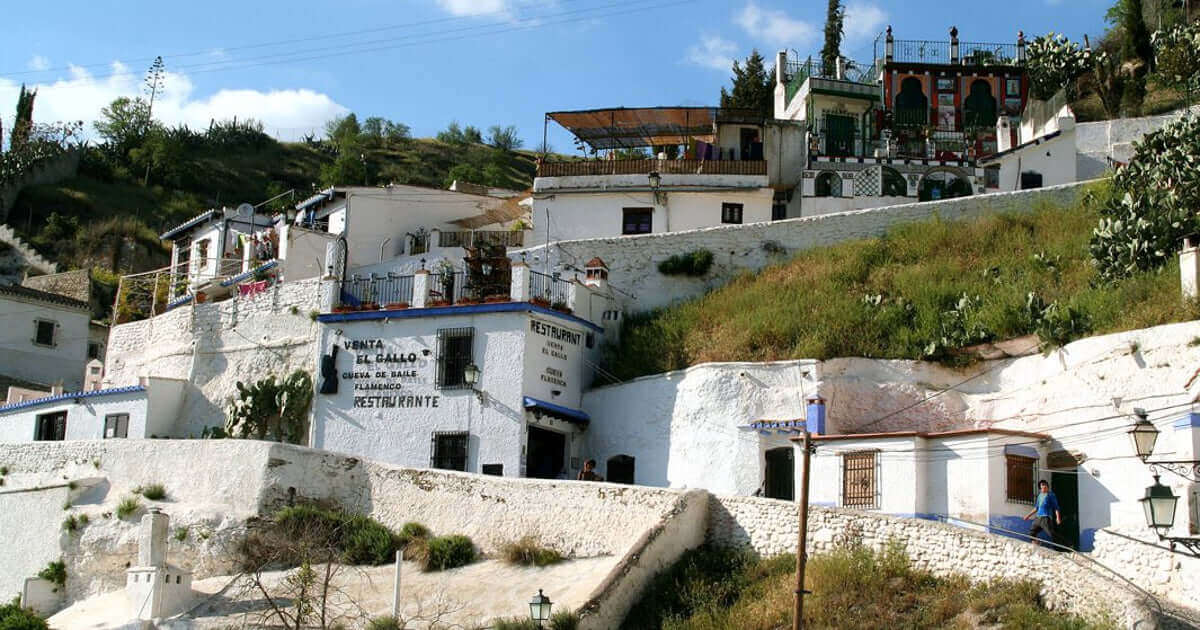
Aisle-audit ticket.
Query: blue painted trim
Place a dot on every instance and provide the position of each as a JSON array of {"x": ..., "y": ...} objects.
[
  {"x": 1190, "y": 421},
  {"x": 179, "y": 302},
  {"x": 1021, "y": 449},
  {"x": 71, "y": 396},
  {"x": 190, "y": 223},
  {"x": 571, "y": 414},
  {"x": 246, "y": 274},
  {"x": 466, "y": 309}
]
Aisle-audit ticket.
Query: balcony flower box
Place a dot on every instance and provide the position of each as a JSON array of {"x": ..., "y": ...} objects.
[
  {"x": 433, "y": 303},
  {"x": 395, "y": 306},
  {"x": 540, "y": 301},
  {"x": 500, "y": 297},
  {"x": 369, "y": 306},
  {"x": 343, "y": 308},
  {"x": 561, "y": 307}
]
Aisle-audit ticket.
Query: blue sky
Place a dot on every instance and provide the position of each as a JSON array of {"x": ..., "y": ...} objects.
[{"x": 295, "y": 64}]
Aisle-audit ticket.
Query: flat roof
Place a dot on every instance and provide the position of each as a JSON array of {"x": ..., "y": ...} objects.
[
  {"x": 71, "y": 396},
  {"x": 635, "y": 127},
  {"x": 923, "y": 434}
]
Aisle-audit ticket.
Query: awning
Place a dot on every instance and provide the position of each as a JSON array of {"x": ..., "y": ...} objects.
[
  {"x": 557, "y": 411},
  {"x": 649, "y": 126}
]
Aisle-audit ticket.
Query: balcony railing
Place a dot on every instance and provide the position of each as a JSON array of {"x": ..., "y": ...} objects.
[
  {"x": 480, "y": 238},
  {"x": 391, "y": 289},
  {"x": 969, "y": 53},
  {"x": 552, "y": 289},
  {"x": 798, "y": 72},
  {"x": 645, "y": 167}
]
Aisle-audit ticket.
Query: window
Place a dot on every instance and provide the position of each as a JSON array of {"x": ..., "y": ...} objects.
[
  {"x": 828, "y": 184},
  {"x": 620, "y": 469},
  {"x": 454, "y": 353},
  {"x": 449, "y": 450},
  {"x": 778, "y": 211},
  {"x": 636, "y": 220},
  {"x": 1031, "y": 179},
  {"x": 1020, "y": 471},
  {"x": 94, "y": 349},
  {"x": 116, "y": 425},
  {"x": 201, "y": 253},
  {"x": 859, "y": 489},
  {"x": 43, "y": 332},
  {"x": 496, "y": 470},
  {"x": 731, "y": 213},
  {"x": 991, "y": 177},
  {"x": 51, "y": 427}
]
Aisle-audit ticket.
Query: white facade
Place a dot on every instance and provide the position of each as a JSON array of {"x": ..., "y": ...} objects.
[
  {"x": 140, "y": 411},
  {"x": 391, "y": 406},
  {"x": 43, "y": 337}
]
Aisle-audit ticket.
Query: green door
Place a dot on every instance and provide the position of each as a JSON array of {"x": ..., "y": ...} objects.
[
  {"x": 1065, "y": 486},
  {"x": 839, "y": 135}
]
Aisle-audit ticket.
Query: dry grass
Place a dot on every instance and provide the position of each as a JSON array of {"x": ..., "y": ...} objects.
[
  {"x": 529, "y": 551},
  {"x": 820, "y": 304}
]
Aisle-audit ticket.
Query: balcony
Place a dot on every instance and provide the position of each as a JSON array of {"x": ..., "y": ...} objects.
[{"x": 645, "y": 167}]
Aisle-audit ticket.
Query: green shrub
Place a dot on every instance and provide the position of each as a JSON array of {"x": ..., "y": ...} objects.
[
  {"x": 358, "y": 539},
  {"x": 412, "y": 531},
  {"x": 384, "y": 623},
  {"x": 73, "y": 522},
  {"x": 693, "y": 263},
  {"x": 181, "y": 534},
  {"x": 127, "y": 507},
  {"x": 514, "y": 623},
  {"x": 529, "y": 552},
  {"x": 153, "y": 492},
  {"x": 366, "y": 541},
  {"x": 13, "y": 617},
  {"x": 564, "y": 620},
  {"x": 3, "y": 470},
  {"x": 449, "y": 552},
  {"x": 55, "y": 572}
]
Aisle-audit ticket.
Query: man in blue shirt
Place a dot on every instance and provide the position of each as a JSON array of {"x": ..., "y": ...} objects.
[{"x": 1045, "y": 507}]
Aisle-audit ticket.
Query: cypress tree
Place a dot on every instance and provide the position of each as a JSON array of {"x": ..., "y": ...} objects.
[
  {"x": 753, "y": 87},
  {"x": 834, "y": 22},
  {"x": 23, "y": 124}
]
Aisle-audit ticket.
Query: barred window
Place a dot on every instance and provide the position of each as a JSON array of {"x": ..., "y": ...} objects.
[
  {"x": 731, "y": 212},
  {"x": 449, "y": 450},
  {"x": 859, "y": 487},
  {"x": 454, "y": 354},
  {"x": 116, "y": 425},
  {"x": 1019, "y": 486},
  {"x": 636, "y": 220}
]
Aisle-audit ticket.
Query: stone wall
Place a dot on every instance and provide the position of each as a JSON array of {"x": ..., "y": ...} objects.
[
  {"x": 214, "y": 345},
  {"x": 633, "y": 260},
  {"x": 1173, "y": 576},
  {"x": 770, "y": 528},
  {"x": 17, "y": 257}
]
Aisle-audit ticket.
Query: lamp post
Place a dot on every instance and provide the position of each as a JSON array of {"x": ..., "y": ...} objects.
[
  {"x": 1159, "y": 502},
  {"x": 539, "y": 608},
  {"x": 655, "y": 184}
]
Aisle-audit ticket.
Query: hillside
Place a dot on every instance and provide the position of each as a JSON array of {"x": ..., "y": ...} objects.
[
  {"x": 922, "y": 291},
  {"x": 105, "y": 216}
]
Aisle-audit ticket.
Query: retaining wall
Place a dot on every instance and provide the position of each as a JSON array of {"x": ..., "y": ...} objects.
[
  {"x": 1096, "y": 142},
  {"x": 633, "y": 260}
]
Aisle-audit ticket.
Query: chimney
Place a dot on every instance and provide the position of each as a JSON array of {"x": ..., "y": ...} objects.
[
  {"x": 596, "y": 274},
  {"x": 953, "y": 45},
  {"x": 152, "y": 539},
  {"x": 1189, "y": 267},
  {"x": 840, "y": 69},
  {"x": 781, "y": 67},
  {"x": 814, "y": 417}
]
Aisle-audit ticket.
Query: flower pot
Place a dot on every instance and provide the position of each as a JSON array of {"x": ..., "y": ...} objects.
[
  {"x": 492, "y": 299},
  {"x": 201, "y": 297},
  {"x": 343, "y": 309},
  {"x": 370, "y": 306},
  {"x": 395, "y": 306},
  {"x": 541, "y": 302},
  {"x": 438, "y": 303}
]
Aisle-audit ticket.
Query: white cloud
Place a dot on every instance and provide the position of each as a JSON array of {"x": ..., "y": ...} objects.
[
  {"x": 775, "y": 28},
  {"x": 289, "y": 113},
  {"x": 39, "y": 63},
  {"x": 863, "y": 21},
  {"x": 474, "y": 7},
  {"x": 713, "y": 52}
]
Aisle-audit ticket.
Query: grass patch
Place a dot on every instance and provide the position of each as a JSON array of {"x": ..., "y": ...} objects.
[
  {"x": 55, "y": 572},
  {"x": 181, "y": 534},
  {"x": 448, "y": 552},
  {"x": 74, "y": 522},
  {"x": 561, "y": 620},
  {"x": 921, "y": 291},
  {"x": 854, "y": 587},
  {"x": 528, "y": 551},
  {"x": 127, "y": 507},
  {"x": 153, "y": 492},
  {"x": 297, "y": 531}
]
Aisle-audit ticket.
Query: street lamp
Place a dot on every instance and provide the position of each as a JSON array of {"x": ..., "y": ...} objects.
[
  {"x": 655, "y": 180},
  {"x": 471, "y": 377},
  {"x": 1144, "y": 435},
  {"x": 1159, "y": 504},
  {"x": 539, "y": 608}
]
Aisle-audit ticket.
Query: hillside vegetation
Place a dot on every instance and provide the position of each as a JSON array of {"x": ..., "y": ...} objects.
[
  {"x": 921, "y": 292},
  {"x": 852, "y": 587},
  {"x": 106, "y": 217}
]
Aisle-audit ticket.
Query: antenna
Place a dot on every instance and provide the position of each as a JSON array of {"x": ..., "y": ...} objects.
[{"x": 245, "y": 210}]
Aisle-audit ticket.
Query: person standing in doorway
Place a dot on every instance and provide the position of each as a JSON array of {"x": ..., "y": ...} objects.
[
  {"x": 1045, "y": 508},
  {"x": 589, "y": 472}
]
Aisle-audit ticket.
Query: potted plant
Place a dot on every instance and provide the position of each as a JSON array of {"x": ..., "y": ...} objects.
[
  {"x": 433, "y": 303},
  {"x": 201, "y": 297},
  {"x": 497, "y": 297},
  {"x": 561, "y": 306},
  {"x": 343, "y": 308},
  {"x": 540, "y": 301},
  {"x": 370, "y": 306},
  {"x": 395, "y": 306}
]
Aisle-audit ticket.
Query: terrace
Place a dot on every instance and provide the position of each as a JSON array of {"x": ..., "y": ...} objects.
[{"x": 952, "y": 51}]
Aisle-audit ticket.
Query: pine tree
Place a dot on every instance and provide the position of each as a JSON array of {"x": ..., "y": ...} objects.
[
  {"x": 23, "y": 124},
  {"x": 835, "y": 20},
  {"x": 752, "y": 87}
]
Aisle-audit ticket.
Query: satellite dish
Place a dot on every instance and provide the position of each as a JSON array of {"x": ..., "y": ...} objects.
[{"x": 245, "y": 210}]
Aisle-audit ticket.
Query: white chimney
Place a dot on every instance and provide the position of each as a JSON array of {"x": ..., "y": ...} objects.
[{"x": 1189, "y": 267}]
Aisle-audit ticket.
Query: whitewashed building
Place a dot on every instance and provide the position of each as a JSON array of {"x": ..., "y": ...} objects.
[
  {"x": 150, "y": 408},
  {"x": 43, "y": 336}
]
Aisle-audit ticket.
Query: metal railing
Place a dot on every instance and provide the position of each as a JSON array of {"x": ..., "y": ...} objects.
[
  {"x": 645, "y": 167},
  {"x": 988, "y": 54},
  {"x": 448, "y": 287},
  {"x": 797, "y": 72},
  {"x": 382, "y": 291},
  {"x": 552, "y": 289},
  {"x": 480, "y": 238},
  {"x": 969, "y": 53},
  {"x": 846, "y": 141}
]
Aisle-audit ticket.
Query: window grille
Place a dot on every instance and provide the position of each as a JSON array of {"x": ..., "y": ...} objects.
[
  {"x": 1020, "y": 473},
  {"x": 859, "y": 483},
  {"x": 453, "y": 355},
  {"x": 449, "y": 450},
  {"x": 51, "y": 427},
  {"x": 731, "y": 213}
]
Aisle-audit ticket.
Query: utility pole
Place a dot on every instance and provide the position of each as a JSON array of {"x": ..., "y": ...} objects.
[{"x": 802, "y": 544}]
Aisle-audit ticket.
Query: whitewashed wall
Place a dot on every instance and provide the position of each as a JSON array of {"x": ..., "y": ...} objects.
[
  {"x": 85, "y": 420},
  {"x": 633, "y": 260},
  {"x": 1097, "y": 141},
  {"x": 681, "y": 427},
  {"x": 212, "y": 346},
  {"x": 1053, "y": 159},
  {"x": 901, "y": 480},
  {"x": 21, "y": 358}
]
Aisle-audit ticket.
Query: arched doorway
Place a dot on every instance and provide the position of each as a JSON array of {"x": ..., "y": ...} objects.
[
  {"x": 911, "y": 104},
  {"x": 780, "y": 478},
  {"x": 943, "y": 184},
  {"x": 894, "y": 184},
  {"x": 620, "y": 469},
  {"x": 828, "y": 185},
  {"x": 980, "y": 106}
]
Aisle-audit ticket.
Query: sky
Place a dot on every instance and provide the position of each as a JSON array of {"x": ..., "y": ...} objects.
[{"x": 296, "y": 64}]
